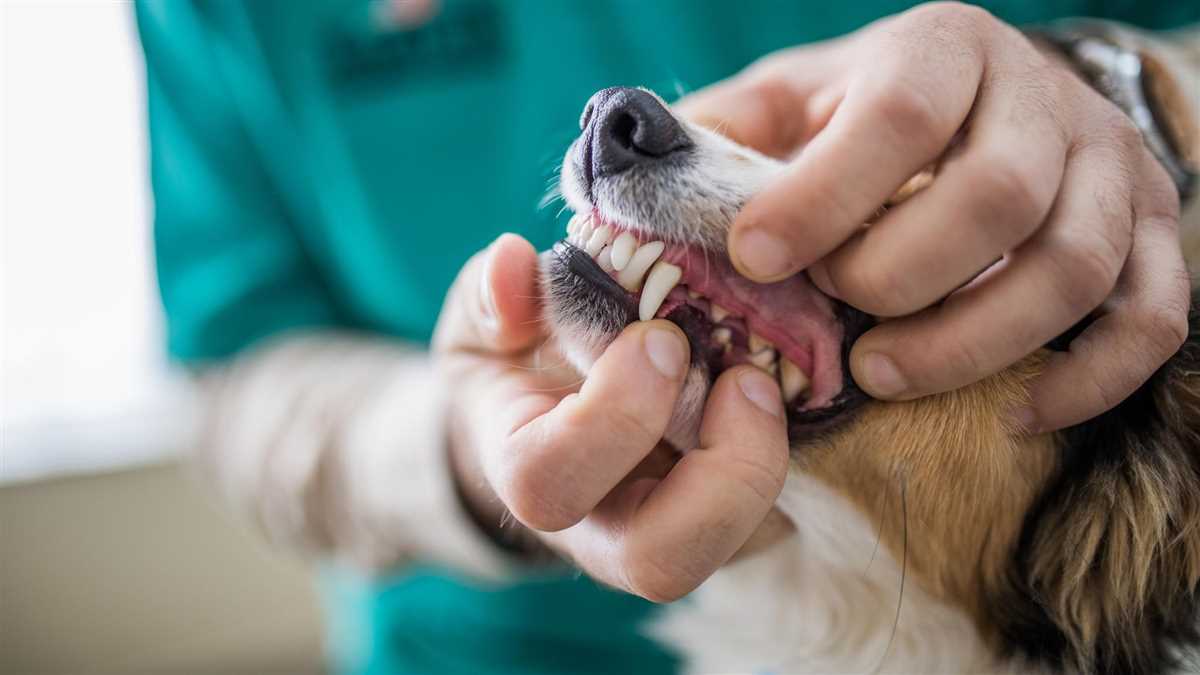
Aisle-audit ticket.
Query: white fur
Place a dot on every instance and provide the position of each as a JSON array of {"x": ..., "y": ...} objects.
[
  {"x": 823, "y": 601},
  {"x": 826, "y": 599}
]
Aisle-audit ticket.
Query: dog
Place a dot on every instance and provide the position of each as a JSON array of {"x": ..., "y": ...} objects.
[{"x": 931, "y": 536}]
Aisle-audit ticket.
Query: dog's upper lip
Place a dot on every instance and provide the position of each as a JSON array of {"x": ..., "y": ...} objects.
[
  {"x": 798, "y": 322},
  {"x": 792, "y": 314}
]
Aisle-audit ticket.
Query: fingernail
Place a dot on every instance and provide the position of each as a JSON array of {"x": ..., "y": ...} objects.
[
  {"x": 762, "y": 254},
  {"x": 666, "y": 352},
  {"x": 762, "y": 391},
  {"x": 882, "y": 377}
]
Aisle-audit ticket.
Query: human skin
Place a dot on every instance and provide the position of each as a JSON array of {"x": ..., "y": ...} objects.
[
  {"x": 580, "y": 463},
  {"x": 1046, "y": 176},
  {"x": 1038, "y": 172}
]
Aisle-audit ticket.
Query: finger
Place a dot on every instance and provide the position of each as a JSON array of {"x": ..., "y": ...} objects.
[
  {"x": 493, "y": 305},
  {"x": 889, "y": 126},
  {"x": 773, "y": 106},
  {"x": 558, "y": 460},
  {"x": 661, "y": 539},
  {"x": 1145, "y": 324},
  {"x": 986, "y": 200},
  {"x": 1047, "y": 285}
]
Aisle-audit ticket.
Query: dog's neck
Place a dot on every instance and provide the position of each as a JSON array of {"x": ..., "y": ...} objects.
[{"x": 801, "y": 607}]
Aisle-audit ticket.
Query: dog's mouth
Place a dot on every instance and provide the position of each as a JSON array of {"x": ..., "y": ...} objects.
[{"x": 787, "y": 329}]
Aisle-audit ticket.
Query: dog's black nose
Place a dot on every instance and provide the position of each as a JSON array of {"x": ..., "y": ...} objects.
[{"x": 623, "y": 127}]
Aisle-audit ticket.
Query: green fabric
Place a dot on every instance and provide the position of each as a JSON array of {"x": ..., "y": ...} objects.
[
  {"x": 313, "y": 169},
  {"x": 431, "y": 621}
]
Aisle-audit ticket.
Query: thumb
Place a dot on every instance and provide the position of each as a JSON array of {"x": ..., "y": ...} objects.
[{"x": 493, "y": 306}]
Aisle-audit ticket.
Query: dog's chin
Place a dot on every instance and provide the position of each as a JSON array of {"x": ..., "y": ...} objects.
[{"x": 587, "y": 309}]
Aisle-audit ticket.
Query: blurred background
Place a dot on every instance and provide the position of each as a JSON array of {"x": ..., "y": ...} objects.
[{"x": 111, "y": 558}]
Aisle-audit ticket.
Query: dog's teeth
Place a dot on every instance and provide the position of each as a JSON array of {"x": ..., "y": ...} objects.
[
  {"x": 764, "y": 360},
  {"x": 717, "y": 312},
  {"x": 662, "y": 278},
  {"x": 573, "y": 226},
  {"x": 583, "y": 231},
  {"x": 722, "y": 335},
  {"x": 792, "y": 381},
  {"x": 605, "y": 259},
  {"x": 694, "y": 295},
  {"x": 631, "y": 277},
  {"x": 598, "y": 240},
  {"x": 622, "y": 250},
  {"x": 759, "y": 343}
]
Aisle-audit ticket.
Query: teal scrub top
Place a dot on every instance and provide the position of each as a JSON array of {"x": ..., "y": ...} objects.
[{"x": 314, "y": 166}]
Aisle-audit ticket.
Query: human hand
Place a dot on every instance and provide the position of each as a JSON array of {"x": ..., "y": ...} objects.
[
  {"x": 582, "y": 464},
  {"x": 1046, "y": 207}
]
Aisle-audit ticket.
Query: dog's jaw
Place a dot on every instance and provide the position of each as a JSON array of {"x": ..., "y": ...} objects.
[{"x": 688, "y": 203}]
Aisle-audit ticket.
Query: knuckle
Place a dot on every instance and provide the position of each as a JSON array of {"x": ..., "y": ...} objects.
[
  {"x": 955, "y": 15},
  {"x": 1125, "y": 133},
  {"x": 966, "y": 362},
  {"x": 908, "y": 111},
  {"x": 1008, "y": 192},
  {"x": 769, "y": 98},
  {"x": 762, "y": 477},
  {"x": 766, "y": 70},
  {"x": 1168, "y": 329},
  {"x": 1109, "y": 391},
  {"x": 653, "y": 579},
  {"x": 625, "y": 423},
  {"x": 1086, "y": 270},
  {"x": 954, "y": 11},
  {"x": 879, "y": 289},
  {"x": 533, "y": 496}
]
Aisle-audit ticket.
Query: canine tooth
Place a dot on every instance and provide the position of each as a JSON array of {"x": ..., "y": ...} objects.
[
  {"x": 622, "y": 250},
  {"x": 722, "y": 335},
  {"x": 598, "y": 240},
  {"x": 792, "y": 380},
  {"x": 605, "y": 259},
  {"x": 717, "y": 312},
  {"x": 694, "y": 295},
  {"x": 759, "y": 343},
  {"x": 662, "y": 278},
  {"x": 764, "y": 359},
  {"x": 631, "y": 277}
]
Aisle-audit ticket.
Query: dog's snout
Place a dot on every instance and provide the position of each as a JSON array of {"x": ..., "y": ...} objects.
[{"x": 625, "y": 127}]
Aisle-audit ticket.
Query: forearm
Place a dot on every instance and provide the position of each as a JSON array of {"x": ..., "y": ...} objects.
[{"x": 334, "y": 444}]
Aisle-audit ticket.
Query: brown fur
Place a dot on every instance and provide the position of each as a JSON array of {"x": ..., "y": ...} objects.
[
  {"x": 1112, "y": 555},
  {"x": 1079, "y": 549},
  {"x": 959, "y": 467}
]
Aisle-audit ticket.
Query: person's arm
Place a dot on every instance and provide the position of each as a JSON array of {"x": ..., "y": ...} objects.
[
  {"x": 331, "y": 443},
  {"x": 334, "y": 443}
]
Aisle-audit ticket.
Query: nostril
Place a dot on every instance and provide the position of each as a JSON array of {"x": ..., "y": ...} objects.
[
  {"x": 624, "y": 130},
  {"x": 625, "y": 127}
]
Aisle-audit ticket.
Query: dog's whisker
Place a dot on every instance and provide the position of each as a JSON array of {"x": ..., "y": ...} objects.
[{"x": 902, "y": 485}]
